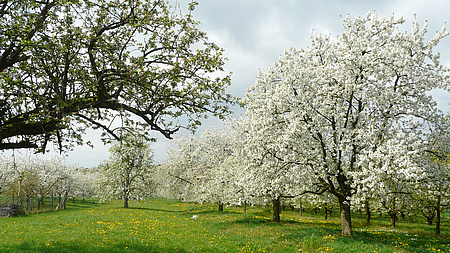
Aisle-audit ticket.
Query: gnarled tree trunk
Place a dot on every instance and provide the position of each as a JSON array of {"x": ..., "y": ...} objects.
[
  {"x": 346, "y": 218},
  {"x": 393, "y": 215},
  {"x": 62, "y": 203}
]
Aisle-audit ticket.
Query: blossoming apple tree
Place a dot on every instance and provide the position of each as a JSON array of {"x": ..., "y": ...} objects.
[
  {"x": 127, "y": 173},
  {"x": 342, "y": 99}
]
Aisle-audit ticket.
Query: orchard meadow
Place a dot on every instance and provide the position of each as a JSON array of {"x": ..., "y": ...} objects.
[
  {"x": 340, "y": 148},
  {"x": 160, "y": 225}
]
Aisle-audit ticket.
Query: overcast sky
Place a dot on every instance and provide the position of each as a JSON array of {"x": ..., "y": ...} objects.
[{"x": 254, "y": 33}]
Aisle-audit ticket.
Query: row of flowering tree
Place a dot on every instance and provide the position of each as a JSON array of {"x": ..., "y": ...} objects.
[
  {"x": 348, "y": 116},
  {"x": 25, "y": 178}
]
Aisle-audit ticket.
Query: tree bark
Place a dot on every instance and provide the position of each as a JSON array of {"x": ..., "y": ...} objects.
[
  {"x": 393, "y": 216},
  {"x": 245, "y": 207},
  {"x": 301, "y": 209},
  {"x": 220, "y": 207},
  {"x": 40, "y": 203},
  {"x": 276, "y": 209},
  {"x": 429, "y": 213},
  {"x": 438, "y": 221},
  {"x": 430, "y": 220},
  {"x": 62, "y": 203},
  {"x": 346, "y": 218},
  {"x": 368, "y": 214},
  {"x": 326, "y": 213},
  {"x": 125, "y": 202},
  {"x": 438, "y": 216}
]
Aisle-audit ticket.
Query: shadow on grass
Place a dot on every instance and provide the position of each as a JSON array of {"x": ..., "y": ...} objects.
[
  {"x": 217, "y": 212},
  {"x": 112, "y": 248},
  {"x": 255, "y": 221},
  {"x": 84, "y": 205},
  {"x": 158, "y": 210}
]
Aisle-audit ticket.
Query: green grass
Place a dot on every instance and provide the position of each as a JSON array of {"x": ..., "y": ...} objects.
[{"x": 165, "y": 226}]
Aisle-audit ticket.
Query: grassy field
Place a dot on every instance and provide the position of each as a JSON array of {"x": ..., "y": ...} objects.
[{"x": 166, "y": 226}]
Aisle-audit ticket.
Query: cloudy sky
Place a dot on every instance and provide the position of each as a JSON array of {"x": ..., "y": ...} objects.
[{"x": 254, "y": 33}]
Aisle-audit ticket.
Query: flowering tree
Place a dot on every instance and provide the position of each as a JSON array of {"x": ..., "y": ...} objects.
[
  {"x": 66, "y": 66},
  {"x": 342, "y": 99},
  {"x": 85, "y": 185},
  {"x": 432, "y": 192},
  {"x": 127, "y": 173},
  {"x": 197, "y": 168},
  {"x": 179, "y": 173},
  {"x": 389, "y": 174},
  {"x": 30, "y": 177},
  {"x": 6, "y": 173},
  {"x": 267, "y": 176}
]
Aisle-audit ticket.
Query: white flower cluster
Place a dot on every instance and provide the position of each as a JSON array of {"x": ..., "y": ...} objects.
[{"x": 349, "y": 116}]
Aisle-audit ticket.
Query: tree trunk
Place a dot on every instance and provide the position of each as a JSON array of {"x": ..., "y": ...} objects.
[
  {"x": 438, "y": 221},
  {"x": 125, "y": 202},
  {"x": 73, "y": 200},
  {"x": 326, "y": 213},
  {"x": 301, "y": 209},
  {"x": 62, "y": 204},
  {"x": 429, "y": 213},
  {"x": 393, "y": 216},
  {"x": 368, "y": 214},
  {"x": 438, "y": 215},
  {"x": 220, "y": 207},
  {"x": 430, "y": 220},
  {"x": 346, "y": 217},
  {"x": 245, "y": 207},
  {"x": 276, "y": 209},
  {"x": 402, "y": 215},
  {"x": 40, "y": 203}
]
